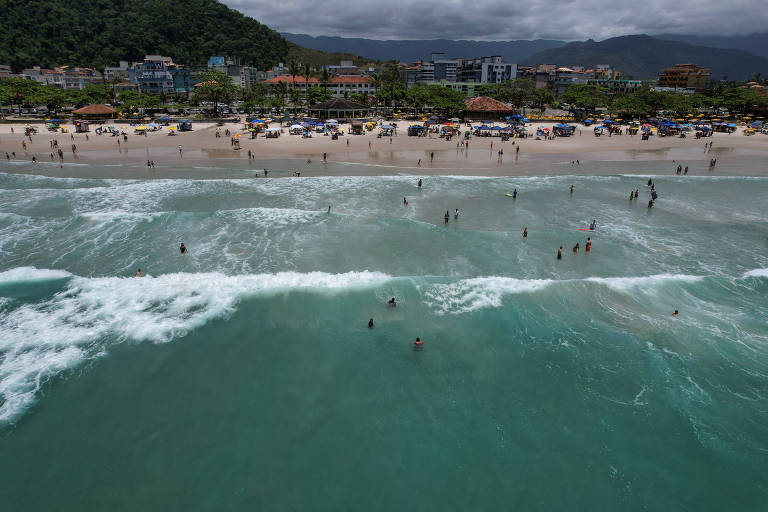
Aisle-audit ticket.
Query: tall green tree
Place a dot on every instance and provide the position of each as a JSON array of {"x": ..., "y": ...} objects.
[{"x": 215, "y": 87}]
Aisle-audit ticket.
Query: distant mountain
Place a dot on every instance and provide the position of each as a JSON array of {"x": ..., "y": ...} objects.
[
  {"x": 417, "y": 49},
  {"x": 754, "y": 43},
  {"x": 642, "y": 56}
]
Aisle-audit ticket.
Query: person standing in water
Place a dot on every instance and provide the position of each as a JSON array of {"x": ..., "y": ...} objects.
[
  {"x": 514, "y": 194},
  {"x": 405, "y": 202},
  {"x": 589, "y": 245},
  {"x": 418, "y": 343},
  {"x": 456, "y": 214},
  {"x": 183, "y": 248},
  {"x": 525, "y": 232},
  {"x": 392, "y": 302},
  {"x": 447, "y": 216},
  {"x": 571, "y": 189},
  {"x": 576, "y": 247},
  {"x": 329, "y": 208},
  {"x": 370, "y": 323},
  {"x": 138, "y": 273},
  {"x": 419, "y": 178},
  {"x": 560, "y": 253}
]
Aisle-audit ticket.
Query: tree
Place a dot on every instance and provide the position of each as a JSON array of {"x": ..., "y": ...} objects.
[
  {"x": 52, "y": 97},
  {"x": 215, "y": 87},
  {"x": 19, "y": 89},
  {"x": 586, "y": 96},
  {"x": 446, "y": 99},
  {"x": 542, "y": 97},
  {"x": 317, "y": 95}
]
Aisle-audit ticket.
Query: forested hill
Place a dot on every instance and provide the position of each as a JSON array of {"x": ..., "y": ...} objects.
[{"x": 103, "y": 32}]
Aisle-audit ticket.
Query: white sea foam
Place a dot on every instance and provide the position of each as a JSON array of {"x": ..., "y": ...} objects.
[
  {"x": 38, "y": 341},
  {"x": 30, "y": 274},
  {"x": 488, "y": 292},
  {"x": 478, "y": 293},
  {"x": 626, "y": 283},
  {"x": 758, "y": 272}
]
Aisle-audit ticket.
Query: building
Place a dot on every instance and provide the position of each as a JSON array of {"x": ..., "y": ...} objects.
[
  {"x": 64, "y": 77},
  {"x": 469, "y": 89},
  {"x": 684, "y": 76},
  {"x": 5, "y": 71},
  {"x": 618, "y": 86},
  {"x": 486, "y": 70},
  {"x": 484, "y": 107},
  {"x": 158, "y": 74},
  {"x": 340, "y": 86},
  {"x": 120, "y": 73},
  {"x": 345, "y": 68}
]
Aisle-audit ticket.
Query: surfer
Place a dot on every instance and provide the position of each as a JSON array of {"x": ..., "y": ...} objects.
[
  {"x": 183, "y": 248},
  {"x": 560, "y": 253},
  {"x": 392, "y": 302},
  {"x": 447, "y": 216},
  {"x": 370, "y": 323},
  {"x": 593, "y": 226},
  {"x": 514, "y": 194},
  {"x": 418, "y": 342}
]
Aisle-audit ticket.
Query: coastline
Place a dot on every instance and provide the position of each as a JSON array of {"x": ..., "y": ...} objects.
[{"x": 206, "y": 156}]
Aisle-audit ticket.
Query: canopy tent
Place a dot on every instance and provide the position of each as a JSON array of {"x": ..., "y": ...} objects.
[{"x": 339, "y": 107}]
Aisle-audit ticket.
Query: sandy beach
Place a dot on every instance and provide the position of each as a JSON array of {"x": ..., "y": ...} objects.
[{"x": 203, "y": 151}]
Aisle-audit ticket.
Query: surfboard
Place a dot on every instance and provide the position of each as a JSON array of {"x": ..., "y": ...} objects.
[
  {"x": 509, "y": 195},
  {"x": 585, "y": 229}
]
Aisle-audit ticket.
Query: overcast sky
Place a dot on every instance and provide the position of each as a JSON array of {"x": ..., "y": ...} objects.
[{"x": 506, "y": 19}]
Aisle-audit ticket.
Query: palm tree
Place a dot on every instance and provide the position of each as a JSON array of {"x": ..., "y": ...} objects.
[
  {"x": 376, "y": 83},
  {"x": 325, "y": 78}
]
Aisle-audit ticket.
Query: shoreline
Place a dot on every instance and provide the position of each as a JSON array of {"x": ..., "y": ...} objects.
[{"x": 205, "y": 155}]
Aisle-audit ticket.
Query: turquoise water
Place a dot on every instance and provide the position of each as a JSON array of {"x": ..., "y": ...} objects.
[{"x": 243, "y": 374}]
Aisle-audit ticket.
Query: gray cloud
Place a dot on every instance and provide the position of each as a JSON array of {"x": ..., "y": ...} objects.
[{"x": 507, "y": 19}]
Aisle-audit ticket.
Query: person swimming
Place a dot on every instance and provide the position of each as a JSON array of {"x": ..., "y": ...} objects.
[
  {"x": 560, "y": 253},
  {"x": 370, "y": 323},
  {"x": 418, "y": 342},
  {"x": 675, "y": 313},
  {"x": 183, "y": 248},
  {"x": 525, "y": 232},
  {"x": 392, "y": 302}
]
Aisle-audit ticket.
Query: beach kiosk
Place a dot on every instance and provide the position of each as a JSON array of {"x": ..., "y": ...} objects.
[
  {"x": 185, "y": 125},
  {"x": 82, "y": 126},
  {"x": 356, "y": 127}
]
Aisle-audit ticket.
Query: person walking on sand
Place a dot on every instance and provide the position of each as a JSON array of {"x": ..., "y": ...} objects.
[
  {"x": 431, "y": 157},
  {"x": 181, "y": 151}
]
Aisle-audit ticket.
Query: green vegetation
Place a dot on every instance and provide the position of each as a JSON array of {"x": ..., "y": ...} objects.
[{"x": 103, "y": 32}]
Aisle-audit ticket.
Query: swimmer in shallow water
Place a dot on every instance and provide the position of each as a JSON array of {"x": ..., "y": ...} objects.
[
  {"x": 370, "y": 323},
  {"x": 525, "y": 232},
  {"x": 418, "y": 342},
  {"x": 183, "y": 248},
  {"x": 392, "y": 302},
  {"x": 560, "y": 253},
  {"x": 675, "y": 314},
  {"x": 138, "y": 273}
]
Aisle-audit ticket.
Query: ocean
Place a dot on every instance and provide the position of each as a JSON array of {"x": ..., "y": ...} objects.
[{"x": 243, "y": 374}]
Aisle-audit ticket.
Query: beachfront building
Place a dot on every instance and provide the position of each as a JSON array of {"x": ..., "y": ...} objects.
[
  {"x": 340, "y": 86},
  {"x": 486, "y": 70},
  {"x": 64, "y": 77},
  {"x": 119, "y": 73},
  {"x": 483, "y": 107},
  {"x": 345, "y": 68},
  {"x": 684, "y": 76},
  {"x": 467, "y": 88},
  {"x": 618, "y": 86},
  {"x": 158, "y": 74}
]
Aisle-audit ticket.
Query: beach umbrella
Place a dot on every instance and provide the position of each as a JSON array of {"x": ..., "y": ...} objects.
[
  {"x": 171, "y": 128},
  {"x": 237, "y": 135}
]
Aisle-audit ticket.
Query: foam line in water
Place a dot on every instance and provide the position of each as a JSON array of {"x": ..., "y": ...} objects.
[
  {"x": 758, "y": 272},
  {"x": 38, "y": 341}
]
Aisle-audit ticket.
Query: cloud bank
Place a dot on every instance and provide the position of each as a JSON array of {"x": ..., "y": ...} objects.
[{"x": 507, "y": 19}]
